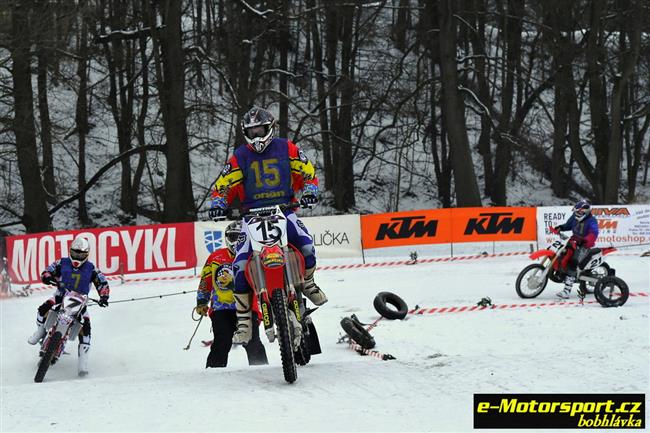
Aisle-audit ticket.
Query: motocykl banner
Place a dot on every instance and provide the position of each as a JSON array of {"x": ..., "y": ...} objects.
[
  {"x": 115, "y": 250},
  {"x": 618, "y": 225}
]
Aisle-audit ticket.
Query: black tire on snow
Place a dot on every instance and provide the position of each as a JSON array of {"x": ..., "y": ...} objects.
[
  {"x": 46, "y": 359},
  {"x": 589, "y": 288},
  {"x": 520, "y": 277},
  {"x": 604, "y": 298},
  {"x": 285, "y": 341},
  {"x": 357, "y": 333},
  {"x": 381, "y": 305}
]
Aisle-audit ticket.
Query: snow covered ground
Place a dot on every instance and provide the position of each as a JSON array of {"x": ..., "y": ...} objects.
[{"x": 141, "y": 379}]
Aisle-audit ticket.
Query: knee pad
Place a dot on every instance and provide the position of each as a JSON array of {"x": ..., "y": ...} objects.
[
  {"x": 45, "y": 307},
  {"x": 309, "y": 254}
]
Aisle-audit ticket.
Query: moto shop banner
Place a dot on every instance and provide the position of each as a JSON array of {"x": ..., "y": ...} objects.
[
  {"x": 133, "y": 249},
  {"x": 618, "y": 225},
  {"x": 334, "y": 236}
]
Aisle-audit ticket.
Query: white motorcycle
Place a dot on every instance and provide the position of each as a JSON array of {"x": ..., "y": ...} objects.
[{"x": 62, "y": 323}]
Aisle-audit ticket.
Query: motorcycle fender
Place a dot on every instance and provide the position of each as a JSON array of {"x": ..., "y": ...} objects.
[
  {"x": 608, "y": 250},
  {"x": 274, "y": 279},
  {"x": 541, "y": 253}
]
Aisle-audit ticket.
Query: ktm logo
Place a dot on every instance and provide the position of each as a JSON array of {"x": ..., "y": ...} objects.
[
  {"x": 611, "y": 211},
  {"x": 493, "y": 223},
  {"x": 407, "y": 227},
  {"x": 607, "y": 224}
]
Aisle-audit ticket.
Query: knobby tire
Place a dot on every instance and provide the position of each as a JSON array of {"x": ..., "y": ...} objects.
[{"x": 281, "y": 318}]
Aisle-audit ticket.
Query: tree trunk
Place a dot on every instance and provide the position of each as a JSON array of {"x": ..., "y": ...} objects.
[
  {"x": 179, "y": 198},
  {"x": 35, "y": 215},
  {"x": 503, "y": 154},
  {"x": 344, "y": 186},
  {"x": 81, "y": 117},
  {"x": 596, "y": 64},
  {"x": 325, "y": 134},
  {"x": 42, "y": 53},
  {"x": 453, "y": 107},
  {"x": 628, "y": 62}
]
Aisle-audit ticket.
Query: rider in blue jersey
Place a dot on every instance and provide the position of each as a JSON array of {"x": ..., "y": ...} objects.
[{"x": 74, "y": 273}]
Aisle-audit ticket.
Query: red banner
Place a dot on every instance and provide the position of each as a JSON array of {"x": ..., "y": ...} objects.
[{"x": 115, "y": 250}]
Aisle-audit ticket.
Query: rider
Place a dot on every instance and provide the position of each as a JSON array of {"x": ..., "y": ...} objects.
[
  {"x": 267, "y": 171},
  {"x": 74, "y": 273},
  {"x": 585, "y": 232},
  {"x": 216, "y": 286}
]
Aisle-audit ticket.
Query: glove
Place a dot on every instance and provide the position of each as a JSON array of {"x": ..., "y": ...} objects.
[
  {"x": 202, "y": 309},
  {"x": 48, "y": 278},
  {"x": 555, "y": 230},
  {"x": 217, "y": 214},
  {"x": 308, "y": 200},
  {"x": 103, "y": 301}
]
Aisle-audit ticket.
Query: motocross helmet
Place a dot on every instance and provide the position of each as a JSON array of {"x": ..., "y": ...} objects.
[
  {"x": 231, "y": 235},
  {"x": 582, "y": 210},
  {"x": 79, "y": 251},
  {"x": 258, "y": 127}
]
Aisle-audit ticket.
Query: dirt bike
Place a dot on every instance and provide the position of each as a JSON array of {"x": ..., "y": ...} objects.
[
  {"x": 274, "y": 270},
  {"x": 593, "y": 274},
  {"x": 62, "y": 323}
]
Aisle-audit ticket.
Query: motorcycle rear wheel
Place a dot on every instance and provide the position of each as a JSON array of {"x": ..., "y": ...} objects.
[
  {"x": 600, "y": 271},
  {"x": 525, "y": 290},
  {"x": 285, "y": 339},
  {"x": 46, "y": 359},
  {"x": 611, "y": 291}
]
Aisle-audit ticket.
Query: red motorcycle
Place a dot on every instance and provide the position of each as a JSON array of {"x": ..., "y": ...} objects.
[
  {"x": 593, "y": 274},
  {"x": 274, "y": 270}
]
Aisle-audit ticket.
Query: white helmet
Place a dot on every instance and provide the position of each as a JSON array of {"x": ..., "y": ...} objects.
[
  {"x": 258, "y": 127},
  {"x": 231, "y": 235},
  {"x": 79, "y": 251}
]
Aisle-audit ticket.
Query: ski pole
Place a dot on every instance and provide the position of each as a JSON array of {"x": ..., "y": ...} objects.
[{"x": 195, "y": 329}]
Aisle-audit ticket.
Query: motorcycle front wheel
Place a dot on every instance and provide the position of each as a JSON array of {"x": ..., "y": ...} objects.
[
  {"x": 529, "y": 282},
  {"x": 46, "y": 359},
  {"x": 285, "y": 339},
  {"x": 611, "y": 292}
]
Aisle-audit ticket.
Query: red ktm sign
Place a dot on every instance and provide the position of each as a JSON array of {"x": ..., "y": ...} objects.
[{"x": 131, "y": 249}]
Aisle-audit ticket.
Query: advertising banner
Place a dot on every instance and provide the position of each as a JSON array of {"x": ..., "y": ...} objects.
[
  {"x": 618, "y": 225},
  {"x": 334, "y": 236},
  {"x": 406, "y": 228},
  {"x": 490, "y": 224},
  {"x": 114, "y": 250}
]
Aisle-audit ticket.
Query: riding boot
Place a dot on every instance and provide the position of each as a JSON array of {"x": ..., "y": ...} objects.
[
  {"x": 568, "y": 284},
  {"x": 311, "y": 290},
  {"x": 40, "y": 330},
  {"x": 82, "y": 366},
  {"x": 244, "y": 326}
]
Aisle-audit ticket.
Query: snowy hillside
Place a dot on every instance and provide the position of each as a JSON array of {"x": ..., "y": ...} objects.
[{"x": 142, "y": 380}]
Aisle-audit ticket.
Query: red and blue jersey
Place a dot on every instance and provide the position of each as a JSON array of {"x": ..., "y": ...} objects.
[{"x": 265, "y": 179}]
